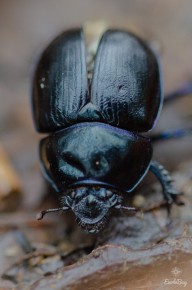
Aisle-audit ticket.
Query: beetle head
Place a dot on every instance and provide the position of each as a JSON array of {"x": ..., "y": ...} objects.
[{"x": 91, "y": 206}]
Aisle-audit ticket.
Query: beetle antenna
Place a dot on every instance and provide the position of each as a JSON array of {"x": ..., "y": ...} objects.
[
  {"x": 134, "y": 209},
  {"x": 42, "y": 213}
]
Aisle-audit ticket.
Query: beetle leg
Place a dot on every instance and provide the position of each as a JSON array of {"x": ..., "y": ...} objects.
[
  {"x": 171, "y": 134},
  {"x": 183, "y": 91},
  {"x": 171, "y": 195}
]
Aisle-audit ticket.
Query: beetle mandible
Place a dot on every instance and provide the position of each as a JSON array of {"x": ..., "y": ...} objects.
[{"x": 95, "y": 153}]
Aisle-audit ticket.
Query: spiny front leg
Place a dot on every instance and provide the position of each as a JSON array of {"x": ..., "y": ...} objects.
[{"x": 170, "y": 193}]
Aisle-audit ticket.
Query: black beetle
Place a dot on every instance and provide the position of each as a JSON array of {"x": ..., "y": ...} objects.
[{"x": 96, "y": 152}]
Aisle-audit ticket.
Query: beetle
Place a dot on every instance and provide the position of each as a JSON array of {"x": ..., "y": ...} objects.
[{"x": 95, "y": 152}]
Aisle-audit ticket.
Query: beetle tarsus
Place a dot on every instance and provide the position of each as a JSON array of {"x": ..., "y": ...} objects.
[{"x": 171, "y": 195}]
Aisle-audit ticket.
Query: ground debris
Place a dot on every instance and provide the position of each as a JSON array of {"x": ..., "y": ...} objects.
[{"x": 10, "y": 185}]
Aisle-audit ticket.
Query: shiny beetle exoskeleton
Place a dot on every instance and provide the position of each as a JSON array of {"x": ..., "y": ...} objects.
[{"x": 95, "y": 152}]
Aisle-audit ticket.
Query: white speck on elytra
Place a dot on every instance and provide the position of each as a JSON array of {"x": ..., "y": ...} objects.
[{"x": 42, "y": 86}]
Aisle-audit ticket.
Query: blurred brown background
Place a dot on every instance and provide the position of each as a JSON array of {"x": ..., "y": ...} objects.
[{"x": 26, "y": 27}]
